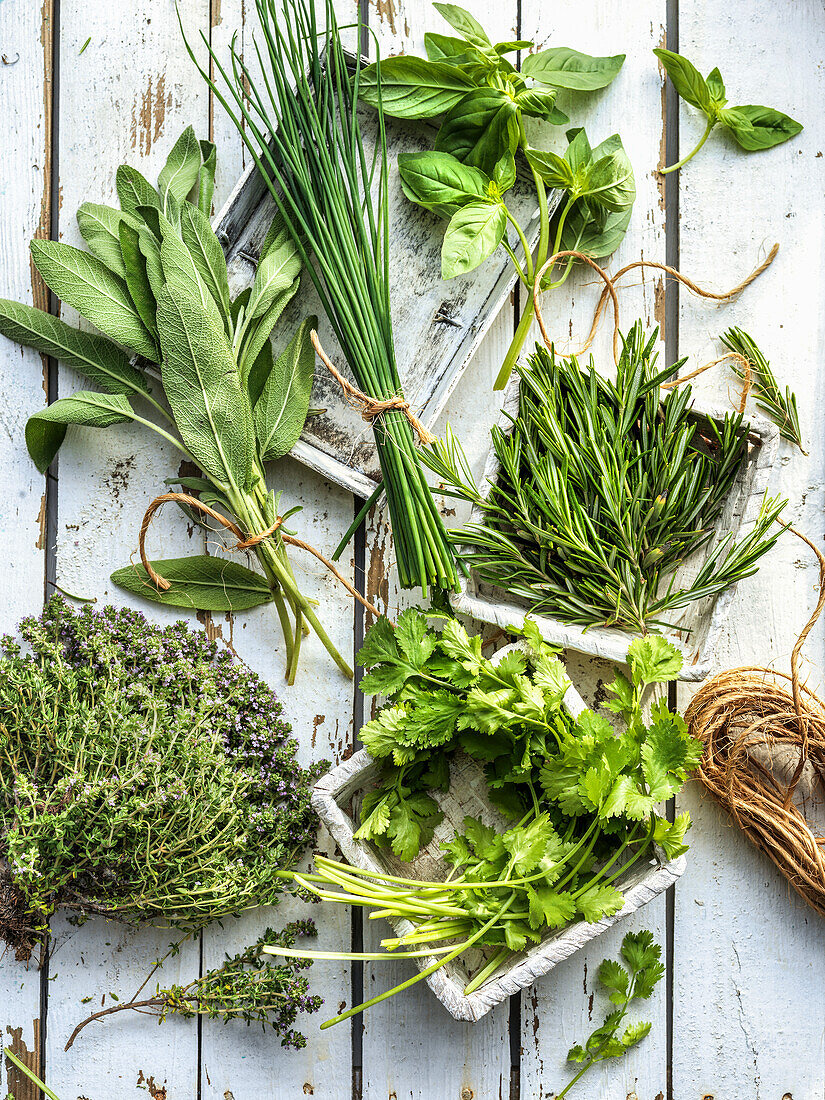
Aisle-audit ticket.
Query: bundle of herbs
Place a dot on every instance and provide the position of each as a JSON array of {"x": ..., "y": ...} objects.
[
  {"x": 604, "y": 489},
  {"x": 144, "y": 775},
  {"x": 484, "y": 100},
  {"x": 155, "y": 284},
  {"x": 300, "y": 122},
  {"x": 581, "y": 795}
]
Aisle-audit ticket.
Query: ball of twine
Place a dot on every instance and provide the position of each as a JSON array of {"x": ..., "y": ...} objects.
[{"x": 764, "y": 758}]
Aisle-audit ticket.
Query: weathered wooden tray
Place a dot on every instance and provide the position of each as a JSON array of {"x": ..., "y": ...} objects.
[
  {"x": 701, "y": 623},
  {"x": 333, "y": 799},
  {"x": 438, "y": 325}
]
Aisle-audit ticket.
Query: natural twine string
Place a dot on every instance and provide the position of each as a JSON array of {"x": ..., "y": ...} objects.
[
  {"x": 371, "y": 408},
  {"x": 244, "y": 542},
  {"x": 743, "y": 711}
]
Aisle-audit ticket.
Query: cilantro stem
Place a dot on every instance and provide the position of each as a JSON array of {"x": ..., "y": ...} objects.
[{"x": 681, "y": 163}]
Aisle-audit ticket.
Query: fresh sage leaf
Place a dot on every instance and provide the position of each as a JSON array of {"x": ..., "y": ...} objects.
[
  {"x": 561, "y": 67},
  {"x": 281, "y": 409},
  {"x": 466, "y": 24},
  {"x": 46, "y": 430},
  {"x": 203, "y": 389},
  {"x": 207, "y": 256},
  {"x": 755, "y": 128},
  {"x": 687, "y": 80},
  {"x": 260, "y": 328},
  {"x": 180, "y": 173},
  {"x": 277, "y": 236},
  {"x": 99, "y": 227},
  {"x": 206, "y": 177},
  {"x": 95, "y": 357},
  {"x": 133, "y": 190},
  {"x": 277, "y": 271},
  {"x": 474, "y": 233},
  {"x": 85, "y": 283},
  {"x": 441, "y": 183},
  {"x": 137, "y": 277},
  {"x": 200, "y": 583},
  {"x": 412, "y": 87},
  {"x": 150, "y": 250},
  {"x": 180, "y": 269},
  {"x": 480, "y": 128}
]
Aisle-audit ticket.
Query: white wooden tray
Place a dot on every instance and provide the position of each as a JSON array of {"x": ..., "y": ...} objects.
[
  {"x": 335, "y": 799},
  {"x": 700, "y": 624},
  {"x": 438, "y": 324}
]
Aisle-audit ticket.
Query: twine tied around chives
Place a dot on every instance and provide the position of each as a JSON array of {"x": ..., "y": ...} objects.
[
  {"x": 752, "y": 728},
  {"x": 371, "y": 408},
  {"x": 244, "y": 542}
]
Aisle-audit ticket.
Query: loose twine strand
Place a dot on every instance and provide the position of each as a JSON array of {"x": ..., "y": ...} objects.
[
  {"x": 747, "y": 709},
  {"x": 609, "y": 292},
  {"x": 371, "y": 408},
  {"x": 244, "y": 542}
]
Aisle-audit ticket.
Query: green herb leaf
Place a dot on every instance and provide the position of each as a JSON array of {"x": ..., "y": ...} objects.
[
  {"x": 199, "y": 582},
  {"x": 281, "y": 410},
  {"x": 716, "y": 88},
  {"x": 653, "y": 660},
  {"x": 137, "y": 276},
  {"x": 207, "y": 256},
  {"x": 687, "y": 80},
  {"x": 46, "y": 430},
  {"x": 480, "y": 128},
  {"x": 95, "y": 357},
  {"x": 202, "y": 386},
  {"x": 99, "y": 227},
  {"x": 614, "y": 977},
  {"x": 134, "y": 191},
  {"x": 414, "y": 88},
  {"x": 541, "y": 103},
  {"x": 440, "y": 182},
  {"x": 84, "y": 282},
  {"x": 277, "y": 271},
  {"x": 670, "y": 836},
  {"x": 556, "y": 171},
  {"x": 467, "y": 25},
  {"x": 206, "y": 177},
  {"x": 451, "y": 51},
  {"x": 755, "y": 128},
  {"x": 599, "y": 902},
  {"x": 474, "y": 233},
  {"x": 180, "y": 173},
  {"x": 561, "y": 67}
]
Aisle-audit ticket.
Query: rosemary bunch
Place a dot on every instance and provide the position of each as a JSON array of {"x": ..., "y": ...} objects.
[
  {"x": 300, "y": 123},
  {"x": 604, "y": 490}
]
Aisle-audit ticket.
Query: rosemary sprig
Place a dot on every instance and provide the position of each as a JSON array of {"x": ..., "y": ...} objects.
[
  {"x": 780, "y": 408},
  {"x": 604, "y": 490}
]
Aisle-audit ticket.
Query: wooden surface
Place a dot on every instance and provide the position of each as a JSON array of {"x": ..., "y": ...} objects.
[{"x": 741, "y": 1015}]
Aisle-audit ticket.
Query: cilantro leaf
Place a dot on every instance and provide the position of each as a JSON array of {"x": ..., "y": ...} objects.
[
  {"x": 487, "y": 711},
  {"x": 386, "y": 732},
  {"x": 653, "y": 660},
  {"x": 484, "y": 841},
  {"x": 455, "y": 642},
  {"x": 598, "y": 902},
  {"x": 614, "y": 977},
  {"x": 634, "y": 1033},
  {"x": 670, "y": 836},
  {"x": 622, "y": 688},
  {"x": 527, "y": 843},
  {"x": 412, "y": 823},
  {"x": 379, "y": 645},
  {"x": 413, "y": 638},
  {"x": 639, "y": 950},
  {"x": 375, "y": 815},
  {"x": 550, "y": 907}
]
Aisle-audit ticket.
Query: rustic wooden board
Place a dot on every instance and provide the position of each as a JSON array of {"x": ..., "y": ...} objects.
[
  {"x": 749, "y": 956},
  {"x": 25, "y": 193}
]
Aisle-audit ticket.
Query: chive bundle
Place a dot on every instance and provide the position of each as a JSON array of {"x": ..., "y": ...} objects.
[{"x": 300, "y": 123}]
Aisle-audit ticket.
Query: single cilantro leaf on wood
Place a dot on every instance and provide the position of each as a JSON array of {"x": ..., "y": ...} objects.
[{"x": 653, "y": 660}]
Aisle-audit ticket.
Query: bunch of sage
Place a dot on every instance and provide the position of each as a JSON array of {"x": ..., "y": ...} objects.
[
  {"x": 300, "y": 122},
  {"x": 604, "y": 489},
  {"x": 483, "y": 100},
  {"x": 155, "y": 285}
]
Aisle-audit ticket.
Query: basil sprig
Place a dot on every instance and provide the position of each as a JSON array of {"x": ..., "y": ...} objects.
[
  {"x": 752, "y": 127},
  {"x": 483, "y": 100}
]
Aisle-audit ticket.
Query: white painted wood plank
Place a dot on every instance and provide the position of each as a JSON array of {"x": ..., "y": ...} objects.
[
  {"x": 411, "y": 1047},
  {"x": 749, "y": 958},
  {"x": 25, "y": 168},
  {"x": 562, "y": 1009},
  {"x": 126, "y": 98}
]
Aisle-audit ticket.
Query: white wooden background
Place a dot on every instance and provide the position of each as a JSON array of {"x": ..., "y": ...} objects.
[{"x": 741, "y": 1015}]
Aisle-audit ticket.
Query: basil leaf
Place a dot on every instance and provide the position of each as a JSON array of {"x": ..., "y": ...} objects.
[
  {"x": 553, "y": 169},
  {"x": 561, "y": 67},
  {"x": 609, "y": 182},
  {"x": 467, "y": 25},
  {"x": 756, "y": 128},
  {"x": 578, "y": 153},
  {"x": 541, "y": 103},
  {"x": 480, "y": 129},
  {"x": 180, "y": 173},
  {"x": 451, "y": 51},
  {"x": 414, "y": 88},
  {"x": 687, "y": 80},
  {"x": 201, "y": 582},
  {"x": 512, "y": 47},
  {"x": 95, "y": 357},
  {"x": 137, "y": 277},
  {"x": 133, "y": 190},
  {"x": 98, "y": 227},
  {"x": 595, "y": 233},
  {"x": 474, "y": 233},
  {"x": 439, "y": 182},
  {"x": 504, "y": 173},
  {"x": 206, "y": 177},
  {"x": 85, "y": 283},
  {"x": 281, "y": 410},
  {"x": 207, "y": 256},
  {"x": 46, "y": 430},
  {"x": 716, "y": 88},
  {"x": 202, "y": 386}
]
